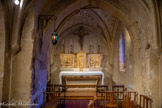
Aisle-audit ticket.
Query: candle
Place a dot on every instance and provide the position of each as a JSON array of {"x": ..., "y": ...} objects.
[
  {"x": 63, "y": 41},
  {"x": 71, "y": 41},
  {"x": 93, "y": 47},
  {"x": 90, "y": 42}
]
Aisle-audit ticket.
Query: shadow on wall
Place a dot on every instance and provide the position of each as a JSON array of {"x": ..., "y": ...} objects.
[{"x": 39, "y": 78}]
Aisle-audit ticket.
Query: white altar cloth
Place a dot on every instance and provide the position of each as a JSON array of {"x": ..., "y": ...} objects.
[{"x": 77, "y": 73}]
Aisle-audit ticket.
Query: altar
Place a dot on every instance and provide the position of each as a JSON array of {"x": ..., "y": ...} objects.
[
  {"x": 81, "y": 68},
  {"x": 88, "y": 74}
]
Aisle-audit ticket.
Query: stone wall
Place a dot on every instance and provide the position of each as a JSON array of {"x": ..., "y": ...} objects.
[
  {"x": 141, "y": 67},
  {"x": 123, "y": 77},
  {"x": 141, "y": 64},
  {"x": 21, "y": 65},
  {"x": 2, "y": 50},
  {"x": 160, "y": 77},
  {"x": 92, "y": 39},
  {"x": 146, "y": 75}
]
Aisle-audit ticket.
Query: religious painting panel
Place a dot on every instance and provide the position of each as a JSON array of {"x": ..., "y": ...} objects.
[
  {"x": 94, "y": 60},
  {"x": 67, "y": 60}
]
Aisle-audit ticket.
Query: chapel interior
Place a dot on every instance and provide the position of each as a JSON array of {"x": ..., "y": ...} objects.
[{"x": 81, "y": 53}]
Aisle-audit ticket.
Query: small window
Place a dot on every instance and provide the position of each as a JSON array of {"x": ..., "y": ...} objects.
[{"x": 122, "y": 52}]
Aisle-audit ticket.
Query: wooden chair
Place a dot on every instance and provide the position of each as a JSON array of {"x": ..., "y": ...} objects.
[
  {"x": 118, "y": 88},
  {"x": 50, "y": 88},
  {"x": 111, "y": 99},
  {"x": 92, "y": 103},
  {"x": 130, "y": 100},
  {"x": 56, "y": 91},
  {"x": 100, "y": 93},
  {"x": 121, "y": 98},
  {"x": 100, "y": 89},
  {"x": 50, "y": 100},
  {"x": 145, "y": 102}
]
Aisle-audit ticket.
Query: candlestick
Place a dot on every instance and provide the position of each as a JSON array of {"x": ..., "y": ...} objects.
[
  {"x": 63, "y": 41},
  {"x": 93, "y": 47},
  {"x": 99, "y": 48},
  {"x": 71, "y": 41}
]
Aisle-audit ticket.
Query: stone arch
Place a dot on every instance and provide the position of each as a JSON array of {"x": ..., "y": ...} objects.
[
  {"x": 67, "y": 13},
  {"x": 74, "y": 8},
  {"x": 95, "y": 16},
  {"x": 126, "y": 19},
  {"x": 128, "y": 22},
  {"x": 122, "y": 76}
]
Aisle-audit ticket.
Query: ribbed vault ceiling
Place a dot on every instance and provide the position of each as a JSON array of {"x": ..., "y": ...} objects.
[{"x": 94, "y": 18}]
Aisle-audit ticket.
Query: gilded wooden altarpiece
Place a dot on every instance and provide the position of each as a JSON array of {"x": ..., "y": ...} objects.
[
  {"x": 67, "y": 60},
  {"x": 81, "y": 60},
  {"x": 94, "y": 60}
]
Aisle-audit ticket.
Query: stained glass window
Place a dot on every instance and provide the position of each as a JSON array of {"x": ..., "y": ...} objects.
[{"x": 122, "y": 52}]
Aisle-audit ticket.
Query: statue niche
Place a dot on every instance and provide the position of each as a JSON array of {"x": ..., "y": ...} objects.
[{"x": 81, "y": 60}]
